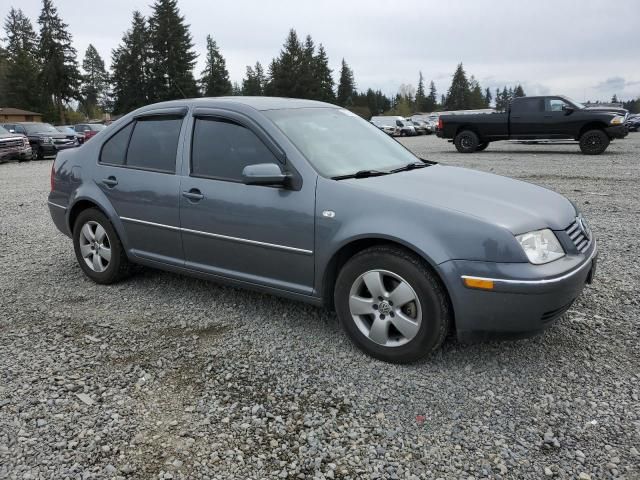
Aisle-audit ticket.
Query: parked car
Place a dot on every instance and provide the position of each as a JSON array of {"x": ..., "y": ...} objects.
[
  {"x": 391, "y": 130},
  {"x": 404, "y": 127},
  {"x": 421, "y": 127},
  {"x": 533, "y": 118},
  {"x": 307, "y": 200},
  {"x": 14, "y": 146},
  {"x": 633, "y": 123},
  {"x": 89, "y": 130},
  {"x": 70, "y": 133},
  {"x": 43, "y": 137}
]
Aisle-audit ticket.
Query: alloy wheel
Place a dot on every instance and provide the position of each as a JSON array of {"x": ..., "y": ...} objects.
[
  {"x": 95, "y": 246},
  {"x": 385, "y": 308}
]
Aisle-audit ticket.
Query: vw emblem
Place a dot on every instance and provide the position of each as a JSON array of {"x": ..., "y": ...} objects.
[
  {"x": 584, "y": 227},
  {"x": 384, "y": 308}
]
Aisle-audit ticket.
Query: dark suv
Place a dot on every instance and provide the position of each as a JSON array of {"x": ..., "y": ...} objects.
[
  {"x": 309, "y": 201},
  {"x": 43, "y": 137}
]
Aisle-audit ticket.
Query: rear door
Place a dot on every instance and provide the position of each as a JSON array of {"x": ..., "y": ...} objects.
[
  {"x": 137, "y": 173},
  {"x": 252, "y": 233},
  {"x": 527, "y": 118}
]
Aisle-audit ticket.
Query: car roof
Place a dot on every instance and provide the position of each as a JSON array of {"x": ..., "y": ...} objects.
[{"x": 258, "y": 103}]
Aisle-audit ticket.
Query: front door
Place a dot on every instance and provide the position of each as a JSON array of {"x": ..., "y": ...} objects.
[
  {"x": 258, "y": 234},
  {"x": 137, "y": 173}
]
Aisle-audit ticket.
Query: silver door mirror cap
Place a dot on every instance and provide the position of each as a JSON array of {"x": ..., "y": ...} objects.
[{"x": 263, "y": 174}]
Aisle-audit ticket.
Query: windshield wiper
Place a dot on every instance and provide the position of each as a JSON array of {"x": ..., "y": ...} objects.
[
  {"x": 361, "y": 174},
  {"x": 409, "y": 166}
]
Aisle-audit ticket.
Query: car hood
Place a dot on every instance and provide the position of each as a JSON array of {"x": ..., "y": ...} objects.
[
  {"x": 614, "y": 110},
  {"x": 517, "y": 206}
]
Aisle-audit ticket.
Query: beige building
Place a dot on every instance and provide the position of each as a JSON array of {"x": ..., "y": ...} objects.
[{"x": 8, "y": 115}]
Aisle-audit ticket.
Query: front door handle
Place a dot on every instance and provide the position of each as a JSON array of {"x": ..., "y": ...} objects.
[
  {"x": 110, "y": 181},
  {"x": 194, "y": 195}
]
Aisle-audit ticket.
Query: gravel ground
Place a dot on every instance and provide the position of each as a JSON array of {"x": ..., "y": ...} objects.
[{"x": 164, "y": 376}]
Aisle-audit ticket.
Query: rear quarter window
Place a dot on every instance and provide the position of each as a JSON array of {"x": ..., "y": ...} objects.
[{"x": 114, "y": 150}]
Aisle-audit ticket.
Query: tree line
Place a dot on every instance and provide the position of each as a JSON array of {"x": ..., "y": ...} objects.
[{"x": 155, "y": 61}]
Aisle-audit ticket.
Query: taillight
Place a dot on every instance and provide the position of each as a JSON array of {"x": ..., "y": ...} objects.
[
  {"x": 53, "y": 176},
  {"x": 439, "y": 123}
]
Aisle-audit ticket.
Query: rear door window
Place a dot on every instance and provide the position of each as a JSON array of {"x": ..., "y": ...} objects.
[
  {"x": 527, "y": 105},
  {"x": 154, "y": 144}
]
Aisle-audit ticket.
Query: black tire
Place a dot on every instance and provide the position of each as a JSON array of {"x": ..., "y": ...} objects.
[
  {"x": 118, "y": 266},
  {"x": 466, "y": 141},
  {"x": 39, "y": 153},
  {"x": 594, "y": 142},
  {"x": 482, "y": 146},
  {"x": 432, "y": 303}
]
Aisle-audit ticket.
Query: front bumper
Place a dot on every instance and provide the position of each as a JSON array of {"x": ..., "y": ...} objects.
[
  {"x": 617, "y": 131},
  {"x": 16, "y": 154},
  {"x": 525, "y": 298}
]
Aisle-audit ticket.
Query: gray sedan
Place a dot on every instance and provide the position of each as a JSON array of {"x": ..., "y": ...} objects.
[{"x": 306, "y": 200}]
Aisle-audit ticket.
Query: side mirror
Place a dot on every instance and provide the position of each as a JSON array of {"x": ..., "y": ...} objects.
[
  {"x": 11, "y": 130},
  {"x": 567, "y": 109},
  {"x": 263, "y": 174}
]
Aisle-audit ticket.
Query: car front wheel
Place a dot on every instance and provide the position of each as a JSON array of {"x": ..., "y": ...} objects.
[
  {"x": 98, "y": 249},
  {"x": 594, "y": 142},
  {"x": 391, "y": 305}
]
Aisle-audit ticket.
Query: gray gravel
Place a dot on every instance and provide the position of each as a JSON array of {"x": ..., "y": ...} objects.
[{"x": 164, "y": 376}]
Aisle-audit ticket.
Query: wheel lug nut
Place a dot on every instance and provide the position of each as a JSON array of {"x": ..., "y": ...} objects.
[
  {"x": 375, "y": 307},
  {"x": 391, "y": 304},
  {"x": 381, "y": 317},
  {"x": 380, "y": 298},
  {"x": 392, "y": 314}
]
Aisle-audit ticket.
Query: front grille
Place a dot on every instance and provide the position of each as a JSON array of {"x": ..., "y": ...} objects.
[
  {"x": 579, "y": 235},
  {"x": 11, "y": 144}
]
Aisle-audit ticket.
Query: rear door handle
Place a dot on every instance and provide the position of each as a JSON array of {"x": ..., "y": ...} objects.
[
  {"x": 110, "y": 181},
  {"x": 194, "y": 194}
]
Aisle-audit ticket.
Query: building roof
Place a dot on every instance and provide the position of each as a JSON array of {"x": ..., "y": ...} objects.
[{"x": 16, "y": 111}]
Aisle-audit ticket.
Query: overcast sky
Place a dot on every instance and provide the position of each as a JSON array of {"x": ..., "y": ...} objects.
[{"x": 586, "y": 49}]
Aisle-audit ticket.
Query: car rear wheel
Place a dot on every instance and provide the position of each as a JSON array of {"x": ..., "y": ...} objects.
[
  {"x": 466, "y": 141},
  {"x": 391, "y": 305},
  {"x": 594, "y": 142},
  {"x": 98, "y": 248}
]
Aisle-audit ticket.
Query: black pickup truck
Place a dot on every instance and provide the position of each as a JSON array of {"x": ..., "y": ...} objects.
[{"x": 537, "y": 118}]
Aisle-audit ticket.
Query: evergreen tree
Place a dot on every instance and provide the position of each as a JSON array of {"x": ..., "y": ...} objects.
[
  {"x": 458, "y": 96},
  {"x": 487, "y": 97},
  {"x": 614, "y": 99},
  {"x": 519, "y": 92},
  {"x": 236, "y": 89},
  {"x": 171, "y": 54},
  {"x": 95, "y": 84},
  {"x": 215, "y": 77},
  {"x": 21, "y": 88},
  {"x": 59, "y": 75},
  {"x": 130, "y": 67},
  {"x": 254, "y": 82},
  {"x": 421, "y": 98},
  {"x": 506, "y": 98},
  {"x": 509, "y": 95},
  {"x": 286, "y": 73},
  {"x": 4, "y": 68},
  {"x": 499, "y": 101},
  {"x": 324, "y": 76},
  {"x": 431, "y": 103},
  {"x": 347, "y": 86},
  {"x": 443, "y": 101},
  {"x": 309, "y": 83},
  {"x": 476, "y": 98}
]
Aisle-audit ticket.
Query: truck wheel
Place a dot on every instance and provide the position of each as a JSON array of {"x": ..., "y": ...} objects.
[
  {"x": 466, "y": 141},
  {"x": 39, "y": 153},
  {"x": 391, "y": 306},
  {"x": 594, "y": 142},
  {"x": 482, "y": 146}
]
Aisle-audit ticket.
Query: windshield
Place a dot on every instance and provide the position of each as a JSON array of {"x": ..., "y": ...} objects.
[
  {"x": 39, "y": 128},
  {"x": 571, "y": 100},
  {"x": 97, "y": 127},
  {"x": 337, "y": 142},
  {"x": 66, "y": 130},
  {"x": 4, "y": 131}
]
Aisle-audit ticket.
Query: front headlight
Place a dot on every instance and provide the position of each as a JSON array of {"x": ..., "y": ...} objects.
[
  {"x": 617, "y": 120},
  {"x": 541, "y": 246},
  {"x": 46, "y": 139}
]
